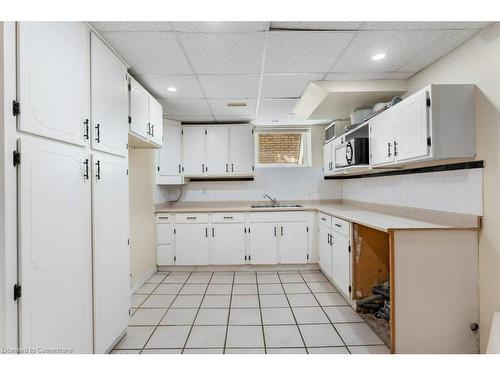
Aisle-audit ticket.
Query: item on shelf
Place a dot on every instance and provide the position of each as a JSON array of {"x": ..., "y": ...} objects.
[
  {"x": 360, "y": 114},
  {"x": 396, "y": 100},
  {"x": 381, "y": 107}
]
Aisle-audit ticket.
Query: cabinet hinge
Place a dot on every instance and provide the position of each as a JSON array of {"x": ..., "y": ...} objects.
[
  {"x": 127, "y": 172},
  {"x": 350, "y": 289},
  {"x": 307, "y": 256},
  {"x": 158, "y": 168},
  {"x": 245, "y": 230},
  {"x": 429, "y": 141},
  {"x": 253, "y": 168},
  {"x": 253, "y": 131},
  {"x": 428, "y": 102},
  {"x": 16, "y": 158},
  {"x": 17, "y": 292},
  {"x": 349, "y": 248},
  {"x": 175, "y": 231},
  {"x": 129, "y": 87},
  {"x": 128, "y": 241},
  {"x": 307, "y": 229},
  {"x": 249, "y": 257},
  {"x": 175, "y": 258},
  {"x": 206, "y": 132},
  {"x": 129, "y": 119},
  {"x": 126, "y": 146},
  {"x": 245, "y": 257},
  {"x": 182, "y": 132},
  {"x": 15, "y": 107},
  {"x": 248, "y": 230}
]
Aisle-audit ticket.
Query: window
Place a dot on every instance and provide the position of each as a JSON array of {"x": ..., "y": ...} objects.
[{"x": 280, "y": 147}]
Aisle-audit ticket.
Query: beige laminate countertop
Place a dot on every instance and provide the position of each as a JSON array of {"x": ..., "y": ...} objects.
[{"x": 380, "y": 217}]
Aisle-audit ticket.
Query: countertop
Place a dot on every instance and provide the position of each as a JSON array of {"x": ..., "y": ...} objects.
[{"x": 380, "y": 217}]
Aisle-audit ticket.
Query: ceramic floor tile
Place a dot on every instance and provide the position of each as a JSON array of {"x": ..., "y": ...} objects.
[
  {"x": 245, "y": 301},
  {"x": 313, "y": 277},
  {"x": 161, "y": 351},
  {"x": 204, "y": 351},
  {"x": 244, "y": 317},
  {"x": 212, "y": 317},
  {"x": 322, "y": 287},
  {"x": 216, "y": 301},
  {"x": 330, "y": 299},
  {"x": 168, "y": 289},
  {"x": 286, "y": 351},
  {"x": 285, "y": 336},
  {"x": 270, "y": 289},
  {"x": 135, "y": 338},
  {"x": 328, "y": 350},
  {"x": 309, "y": 315},
  {"x": 219, "y": 289},
  {"x": 194, "y": 289},
  {"x": 371, "y": 349},
  {"x": 244, "y": 336},
  {"x": 302, "y": 300},
  {"x": 273, "y": 300},
  {"x": 146, "y": 317},
  {"x": 179, "y": 317},
  {"x": 222, "y": 279},
  {"x": 158, "y": 301},
  {"x": 296, "y": 288},
  {"x": 166, "y": 337},
  {"x": 176, "y": 278},
  {"x": 244, "y": 289},
  {"x": 137, "y": 299},
  {"x": 245, "y": 351},
  {"x": 320, "y": 335},
  {"x": 271, "y": 278},
  {"x": 282, "y": 315},
  {"x": 342, "y": 314},
  {"x": 125, "y": 351},
  {"x": 187, "y": 301},
  {"x": 245, "y": 279},
  {"x": 207, "y": 337},
  {"x": 199, "y": 278},
  {"x": 357, "y": 334},
  {"x": 146, "y": 289},
  {"x": 291, "y": 278},
  {"x": 156, "y": 278}
]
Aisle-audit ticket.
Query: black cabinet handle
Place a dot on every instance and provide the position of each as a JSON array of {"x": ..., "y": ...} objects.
[
  {"x": 213, "y": 232},
  {"x": 98, "y": 128},
  {"x": 203, "y": 168},
  {"x": 152, "y": 130},
  {"x": 232, "y": 167},
  {"x": 274, "y": 231},
  {"x": 395, "y": 148},
  {"x": 206, "y": 232},
  {"x": 86, "y": 174},
  {"x": 338, "y": 225},
  {"x": 227, "y": 169},
  {"x": 191, "y": 217},
  {"x": 149, "y": 128},
  {"x": 323, "y": 219},
  {"x": 281, "y": 231},
  {"x": 98, "y": 174},
  {"x": 86, "y": 134},
  {"x": 179, "y": 169},
  {"x": 228, "y": 217}
]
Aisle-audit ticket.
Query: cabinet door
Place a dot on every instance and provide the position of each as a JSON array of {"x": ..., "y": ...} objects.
[
  {"x": 325, "y": 250},
  {"x": 165, "y": 239},
  {"x": 264, "y": 243},
  {"x": 156, "y": 120},
  {"x": 54, "y": 79},
  {"x": 165, "y": 255},
  {"x": 381, "y": 138},
  {"x": 217, "y": 146},
  {"x": 193, "y": 150},
  {"x": 110, "y": 220},
  {"x": 55, "y": 253},
  {"x": 241, "y": 149},
  {"x": 191, "y": 244},
  {"x": 139, "y": 109},
  {"x": 227, "y": 243},
  {"x": 109, "y": 101},
  {"x": 341, "y": 266},
  {"x": 327, "y": 158},
  {"x": 169, "y": 155},
  {"x": 411, "y": 127},
  {"x": 293, "y": 243}
]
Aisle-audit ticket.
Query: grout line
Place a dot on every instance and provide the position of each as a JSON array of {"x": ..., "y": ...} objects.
[
  {"x": 228, "y": 314},
  {"x": 260, "y": 311}
]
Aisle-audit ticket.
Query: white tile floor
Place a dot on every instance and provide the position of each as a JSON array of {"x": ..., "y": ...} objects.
[{"x": 244, "y": 312}]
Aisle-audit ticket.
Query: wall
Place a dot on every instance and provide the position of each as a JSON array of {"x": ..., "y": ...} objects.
[{"x": 142, "y": 227}]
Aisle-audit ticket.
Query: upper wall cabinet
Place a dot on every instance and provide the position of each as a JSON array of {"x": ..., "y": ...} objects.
[
  {"x": 109, "y": 101},
  {"x": 54, "y": 75},
  {"x": 146, "y": 117},
  {"x": 169, "y": 169},
  {"x": 241, "y": 150}
]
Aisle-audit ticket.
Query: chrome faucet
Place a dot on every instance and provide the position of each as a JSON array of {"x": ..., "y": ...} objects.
[{"x": 273, "y": 200}]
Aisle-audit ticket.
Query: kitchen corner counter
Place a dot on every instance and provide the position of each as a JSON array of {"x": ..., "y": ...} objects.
[{"x": 380, "y": 217}]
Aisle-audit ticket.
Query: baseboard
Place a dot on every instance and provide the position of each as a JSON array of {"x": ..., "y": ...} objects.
[{"x": 143, "y": 280}]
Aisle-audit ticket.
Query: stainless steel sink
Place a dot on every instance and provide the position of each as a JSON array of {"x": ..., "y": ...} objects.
[{"x": 276, "y": 205}]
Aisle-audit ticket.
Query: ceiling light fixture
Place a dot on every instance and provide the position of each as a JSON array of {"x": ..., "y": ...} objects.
[
  {"x": 171, "y": 89},
  {"x": 378, "y": 56},
  {"x": 237, "y": 104}
]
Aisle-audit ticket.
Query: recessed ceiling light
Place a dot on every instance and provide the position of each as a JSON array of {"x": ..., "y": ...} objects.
[
  {"x": 236, "y": 104},
  {"x": 378, "y": 56},
  {"x": 171, "y": 89}
]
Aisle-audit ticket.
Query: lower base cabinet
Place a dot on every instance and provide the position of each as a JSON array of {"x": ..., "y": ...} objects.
[
  {"x": 191, "y": 245},
  {"x": 227, "y": 244},
  {"x": 325, "y": 249},
  {"x": 341, "y": 265},
  {"x": 293, "y": 243},
  {"x": 263, "y": 243}
]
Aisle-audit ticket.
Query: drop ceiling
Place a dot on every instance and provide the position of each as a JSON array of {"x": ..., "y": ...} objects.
[{"x": 267, "y": 65}]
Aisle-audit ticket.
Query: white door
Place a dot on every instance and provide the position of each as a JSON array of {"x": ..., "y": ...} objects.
[
  {"x": 169, "y": 155},
  {"x": 293, "y": 243},
  {"x": 217, "y": 146},
  {"x": 411, "y": 127},
  {"x": 241, "y": 149},
  {"x": 109, "y": 101},
  {"x": 191, "y": 244},
  {"x": 110, "y": 222},
  {"x": 55, "y": 253},
  {"x": 325, "y": 250},
  {"x": 156, "y": 121},
  {"x": 341, "y": 267},
  {"x": 54, "y": 79},
  {"x": 139, "y": 111},
  {"x": 227, "y": 243},
  {"x": 381, "y": 138},
  {"x": 327, "y": 158},
  {"x": 264, "y": 243},
  {"x": 193, "y": 150}
]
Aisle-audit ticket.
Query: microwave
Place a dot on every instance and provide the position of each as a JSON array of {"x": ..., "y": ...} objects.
[{"x": 352, "y": 152}]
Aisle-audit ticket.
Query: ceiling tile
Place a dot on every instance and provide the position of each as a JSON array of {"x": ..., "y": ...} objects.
[
  {"x": 192, "y": 119},
  {"x": 448, "y": 42},
  {"x": 219, "y": 106},
  {"x": 399, "y": 46},
  {"x": 234, "y": 118},
  {"x": 275, "y": 120},
  {"x": 131, "y": 26},
  {"x": 276, "y": 106},
  {"x": 187, "y": 86},
  {"x": 315, "y": 25},
  {"x": 224, "y": 53},
  {"x": 185, "y": 107},
  {"x": 286, "y": 85},
  {"x": 207, "y": 27},
  {"x": 364, "y": 76},
  {"x": 230, "y": 86},
  {"x": 304, "y": 51},
  {"x": 423, "y": 25},
  {"x": 149, "y": 53}
]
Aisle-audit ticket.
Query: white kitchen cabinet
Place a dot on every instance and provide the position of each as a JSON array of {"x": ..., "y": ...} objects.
[
  {"x": 341, "y": 265},
  {"x": 382, "y": 138},
  {"x": 139, "y": 110},
  {"x": 165, "y": 239},
  {"x": 327, "y": 159},
  {"x": 155, "y": 121},
  {"x": 216, "y": 146},
  {"x": 169, "y": 156},
  {"x": 109, "y": 100},
  {"x": 325, "y": 249},
  {"x": 55, "y": 253},
  {"x": 227, "y": 243},
  {"x": 193, "y": 150},
  {"x": 191, "y": 244},
  {"x": 241, "y": 150},
  {"x": 263, "y": 243},
  {"x": 293, "y": 243},
  {"x": 111, "y": 249},
  {"x": 54, "y": 80}
]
